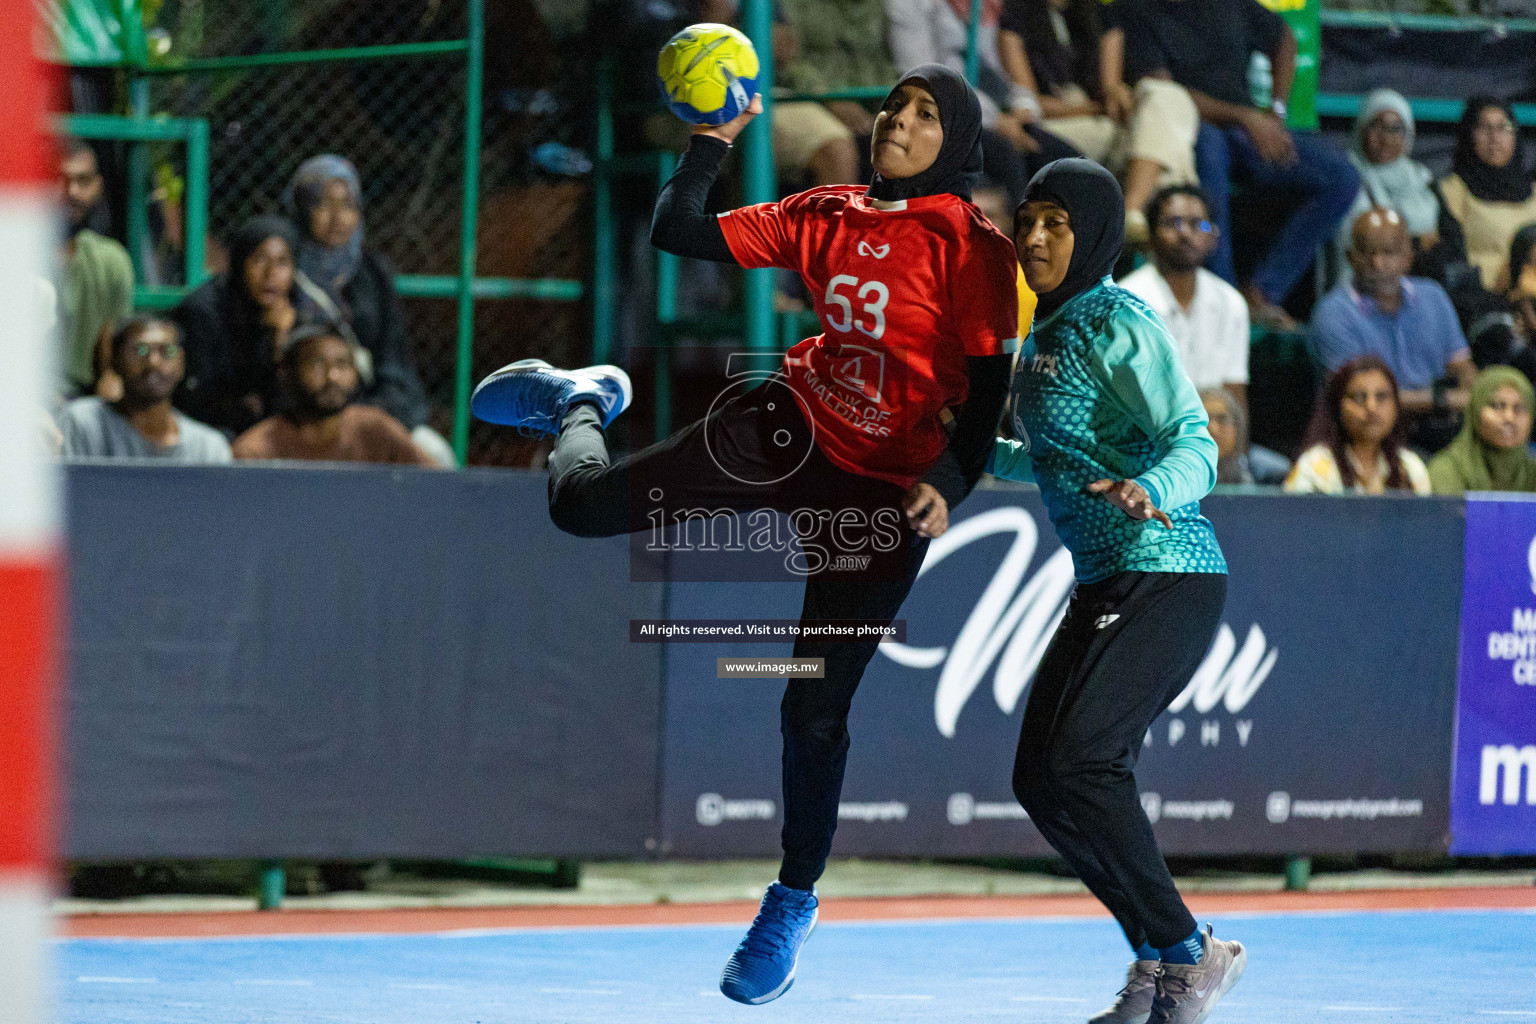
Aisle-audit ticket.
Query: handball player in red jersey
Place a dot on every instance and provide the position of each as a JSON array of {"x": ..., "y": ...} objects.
[{"x": 869, "y": 435}]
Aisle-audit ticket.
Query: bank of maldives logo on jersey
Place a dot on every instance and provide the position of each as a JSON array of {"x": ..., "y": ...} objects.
[{"x": 860, "y": 370}]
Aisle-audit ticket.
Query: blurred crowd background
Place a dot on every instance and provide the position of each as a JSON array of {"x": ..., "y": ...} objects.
[{"x": 1333, "y": 210}]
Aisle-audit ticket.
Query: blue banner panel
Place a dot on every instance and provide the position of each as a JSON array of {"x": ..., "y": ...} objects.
[
  {"x": 1493, "y": 782},
  {"x": 350, "y": 662},
  {"x": 1320, "y": 720}
]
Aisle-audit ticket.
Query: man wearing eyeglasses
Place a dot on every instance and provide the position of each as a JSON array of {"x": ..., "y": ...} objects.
[
  {"x": 1206, "y": 316},
  {"x": 146, "y": 355}
]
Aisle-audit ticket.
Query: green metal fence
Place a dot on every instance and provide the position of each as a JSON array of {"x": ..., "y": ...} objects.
[{"x": 227, "y": 97}]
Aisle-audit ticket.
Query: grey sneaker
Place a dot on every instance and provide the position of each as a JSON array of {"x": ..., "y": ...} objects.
[
  {"x": 1187, "y": 993},
  {"x": 1134, "y": 1003}
]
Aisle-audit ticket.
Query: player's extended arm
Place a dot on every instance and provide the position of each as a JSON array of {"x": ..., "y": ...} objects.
[
  {"x": 960, "y": 464},
  {"x": 1138, "y": 363},
  {"x": 680, "y": 225}
]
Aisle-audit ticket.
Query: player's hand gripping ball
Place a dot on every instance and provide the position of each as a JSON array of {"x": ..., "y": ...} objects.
[{"x": 708, "y": 72}]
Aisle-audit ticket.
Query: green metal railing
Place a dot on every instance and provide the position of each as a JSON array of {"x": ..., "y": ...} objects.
[
  {"x": 193, "y": 132},
  {"x": 1425, "y": 108},
  {"x": 1423, "y": 22},
  {"x": 139, "y": 127}
]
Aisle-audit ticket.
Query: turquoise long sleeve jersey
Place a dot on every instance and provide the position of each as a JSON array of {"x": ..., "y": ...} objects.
[{"x": 1098, "y": 393}]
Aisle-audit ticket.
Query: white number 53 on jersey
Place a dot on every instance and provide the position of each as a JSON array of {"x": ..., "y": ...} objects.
[{"x": 876, "y": 294}]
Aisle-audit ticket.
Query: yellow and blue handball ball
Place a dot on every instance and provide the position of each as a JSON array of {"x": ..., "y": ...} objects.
[{"x": 708, "y": 73}]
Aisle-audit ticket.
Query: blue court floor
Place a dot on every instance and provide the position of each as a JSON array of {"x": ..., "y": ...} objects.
[{"x": 1439, "y": 966}]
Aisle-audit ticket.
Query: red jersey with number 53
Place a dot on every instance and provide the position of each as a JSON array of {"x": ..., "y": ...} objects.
[{"x": 905, "y": 291}]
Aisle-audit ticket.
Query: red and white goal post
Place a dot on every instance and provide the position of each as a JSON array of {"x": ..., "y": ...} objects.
[{"x": 30, "y": 540}]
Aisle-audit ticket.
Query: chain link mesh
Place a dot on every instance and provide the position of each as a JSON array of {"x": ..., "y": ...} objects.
[{"x": 401, "y": 122}]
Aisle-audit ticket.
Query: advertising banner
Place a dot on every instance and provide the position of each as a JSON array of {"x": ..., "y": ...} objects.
[
  {"x": 350, "y": 663},
  {"x": 1493, "y": 794},
  {"x": 1320, "y": 720}
]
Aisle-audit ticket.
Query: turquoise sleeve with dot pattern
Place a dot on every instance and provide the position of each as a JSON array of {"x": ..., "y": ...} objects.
[
  {"x": 1139, "y": 366},
  {"x": 1099, "y": 394}
]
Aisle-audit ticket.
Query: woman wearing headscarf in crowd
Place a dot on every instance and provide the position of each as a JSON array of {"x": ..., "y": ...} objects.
[
  {"x": 233, "y": 327},
  {"x": 1356, "y": 442},
  {"x": 1490, "y": 453},
  {"x": 1238, "y": 462},
  {"x": 1390, "y": 179},
  {"x": 1058, "y": 51},
  {"x": 325, "y": 202},
  {"x": 1503, "y": 331},
  {"x": 1115, "y": 435},
  {"x": 1489, "y": 190},
  {"x": 1014, "y": 144},
  {"x": 915, "y": 289}
]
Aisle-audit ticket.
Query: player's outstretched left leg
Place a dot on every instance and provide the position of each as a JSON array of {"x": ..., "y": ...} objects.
[
  {"x": 533, "y": 396},
  {"x": 1187, "y": 993},
  {"x": 763, "y": 966}
]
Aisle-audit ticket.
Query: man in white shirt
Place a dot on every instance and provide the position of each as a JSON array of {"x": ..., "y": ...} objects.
[{"x": 1206, "y": 316}]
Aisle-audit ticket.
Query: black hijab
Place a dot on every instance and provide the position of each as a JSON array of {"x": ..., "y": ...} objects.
[
  {"x": 1092, "y": 198},
  {"x": 1508, "y": 184},
  {"x": 957, "y": 168},
  {"x": 249, "y": 237},
  {"x": 1520, "y": 252}
]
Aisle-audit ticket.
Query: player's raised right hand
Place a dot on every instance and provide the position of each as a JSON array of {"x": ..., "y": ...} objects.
[{"x": 727, "y": 132}]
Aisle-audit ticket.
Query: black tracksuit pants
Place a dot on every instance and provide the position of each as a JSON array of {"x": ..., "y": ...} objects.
[
  {"x": 755, "y": 451},
  {"x": 1126, "y": 648}
]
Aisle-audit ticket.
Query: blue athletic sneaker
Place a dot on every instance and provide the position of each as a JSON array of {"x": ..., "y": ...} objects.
[
  {"x": 763, "y": 966},
  {"x": 533, "y": 396}
]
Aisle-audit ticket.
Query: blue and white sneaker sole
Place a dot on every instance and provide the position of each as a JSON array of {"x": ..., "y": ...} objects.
[
  {"x": 769, "y": 997},
  {"x": 482, "y": 402}
]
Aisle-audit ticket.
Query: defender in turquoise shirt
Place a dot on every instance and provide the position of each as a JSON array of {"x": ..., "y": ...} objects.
[
  {"x": 1110, "y": 427},
  {"x": 1098, "y": 393}
]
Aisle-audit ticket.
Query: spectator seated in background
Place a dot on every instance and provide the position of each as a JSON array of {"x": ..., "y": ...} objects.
[
  {"x": 1506, "y": 334},
  {"x": 1206, "y": 46},
  {"x": 234, "y": 325},
  {"x": 1014, "y": 145},
  {"x": 97, "y": 287},
  {"x": 1391, "y": 179},
  {"x": 1356, "y": 441},
  {"x": 841, "y": 45},
  {"x": 1206, "y": 316},
  {"x": 810, "y": 142},
  {"x": 1058, "y": 51},
  {"x": 1489, "y": 190},
  {"x": 1406, "y": 321},
  {"x": 145, "y": 354},
  {"x": 1490, "y": 453},
  {"x": 325, "y": 201},
  {"x": 1236, "y": 461},
  {"x": 318, "y": 370}
]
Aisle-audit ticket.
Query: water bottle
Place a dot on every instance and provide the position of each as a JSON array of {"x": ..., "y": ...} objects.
[{"x": 1261, "y": 81}]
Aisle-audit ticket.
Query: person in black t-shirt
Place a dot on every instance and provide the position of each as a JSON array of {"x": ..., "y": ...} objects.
[{"x": 1206, "y": 46}]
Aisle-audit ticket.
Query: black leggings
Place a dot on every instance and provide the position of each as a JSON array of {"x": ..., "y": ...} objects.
[
  {"x": 753, "y": 452},
  {"x": 1126, "y": 648}
]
